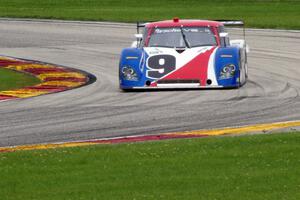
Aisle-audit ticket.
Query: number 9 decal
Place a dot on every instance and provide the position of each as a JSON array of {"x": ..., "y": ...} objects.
[{"x": 160, "y": 65}]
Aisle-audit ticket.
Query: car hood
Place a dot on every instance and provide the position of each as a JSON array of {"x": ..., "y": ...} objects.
[{"x": 190, "y": 64}]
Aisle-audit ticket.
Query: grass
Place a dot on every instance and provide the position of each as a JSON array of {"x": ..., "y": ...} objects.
[
  {"x": 256, "y": 13},
  {"x": 259, "y": 167},
  {"x": 12, "y": 80},
  {"x": 248, "y": 167}
]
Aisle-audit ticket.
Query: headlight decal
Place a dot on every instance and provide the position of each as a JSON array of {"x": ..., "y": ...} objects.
[
  {"x": 128, "y": 73},
  {"x": 228, "y": 71}
]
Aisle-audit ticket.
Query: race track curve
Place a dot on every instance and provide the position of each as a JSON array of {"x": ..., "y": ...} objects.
[{"x": 102, "y": 110}]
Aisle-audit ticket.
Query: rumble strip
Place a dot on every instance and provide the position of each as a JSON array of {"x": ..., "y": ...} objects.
[
  {"x": 53, "y": 78},
  {"x": 258, "y": 128}
]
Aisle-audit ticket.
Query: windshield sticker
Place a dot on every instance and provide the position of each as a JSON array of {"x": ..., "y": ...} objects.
[
  {"x": 177, "y": 30},
  {"x": 173, "y": 30},
  {"x": 182, "y": 37}
]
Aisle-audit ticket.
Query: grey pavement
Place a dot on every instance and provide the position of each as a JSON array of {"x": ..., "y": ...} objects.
[{"x": 102, "y": 110}]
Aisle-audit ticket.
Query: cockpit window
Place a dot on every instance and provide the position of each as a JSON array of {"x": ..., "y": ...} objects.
[{"x": 182, "y": 37}]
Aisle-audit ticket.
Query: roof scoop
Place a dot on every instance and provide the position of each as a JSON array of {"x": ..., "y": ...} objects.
[{"x": 176, "y": 19}]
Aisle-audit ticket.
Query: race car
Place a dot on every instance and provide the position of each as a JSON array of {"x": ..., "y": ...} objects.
[{"x": 184, "y": 54}]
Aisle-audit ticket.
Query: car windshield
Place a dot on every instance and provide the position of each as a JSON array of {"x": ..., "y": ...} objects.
[{"x": 182, "y": 37}]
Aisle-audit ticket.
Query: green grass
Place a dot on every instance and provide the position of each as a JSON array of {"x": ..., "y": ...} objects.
[
  {"x": 259, "y": 167},
  {"x": 256, "y": 13},
  {"x": 10, "y": 79}
]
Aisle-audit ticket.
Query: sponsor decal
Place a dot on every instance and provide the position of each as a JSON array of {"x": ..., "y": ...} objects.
[{"x": 155, "y": 51}]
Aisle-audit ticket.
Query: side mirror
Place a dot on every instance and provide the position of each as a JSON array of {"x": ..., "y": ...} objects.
[
  {"x": 138, "y": 36},
  {"x": 240, "y": 43},
  {"x": 223, "y": 34},
  {"x": 137, "y": 43},
  {"x": 224, "y": 37}
]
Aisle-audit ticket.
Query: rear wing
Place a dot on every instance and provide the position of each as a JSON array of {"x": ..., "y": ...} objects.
[
  {"x": 223, "y": 21},
  {"x": 233, "y": 23}
]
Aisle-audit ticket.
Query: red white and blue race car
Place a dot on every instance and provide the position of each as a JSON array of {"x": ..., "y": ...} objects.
[{"x": 184, "y": 54}]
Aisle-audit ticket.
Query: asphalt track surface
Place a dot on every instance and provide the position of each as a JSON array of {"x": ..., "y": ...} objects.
[{"x": 102, "y": 110}]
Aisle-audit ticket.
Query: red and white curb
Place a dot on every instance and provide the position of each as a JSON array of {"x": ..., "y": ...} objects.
[
  {"x": 53, "y": 78},
  {"x": 164, "y": 136}
]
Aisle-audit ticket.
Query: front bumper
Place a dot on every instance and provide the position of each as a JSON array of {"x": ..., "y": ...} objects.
[{"x": 177, "y": 86}]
